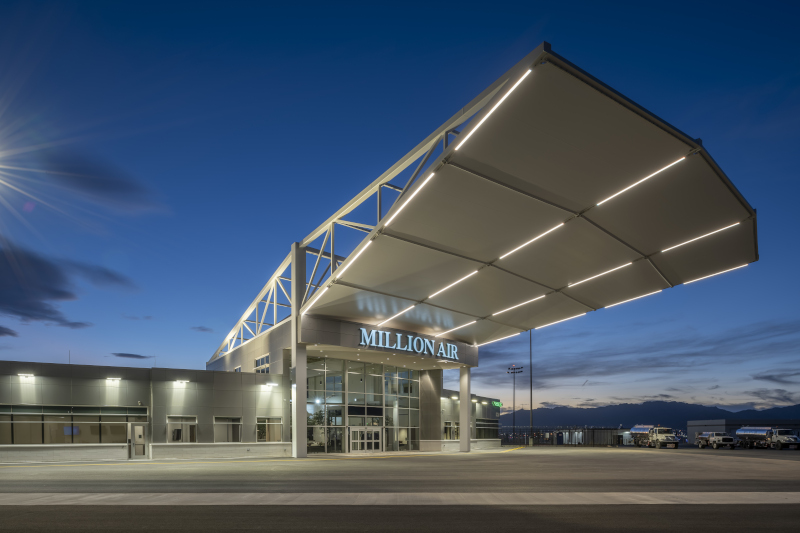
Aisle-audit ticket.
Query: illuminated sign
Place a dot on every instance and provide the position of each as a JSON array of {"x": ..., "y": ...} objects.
[
  {"x": 407, "y": 343},
  {"x": 497, "y": 404}
]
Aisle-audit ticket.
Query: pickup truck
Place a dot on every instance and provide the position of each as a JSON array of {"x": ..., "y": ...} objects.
[{"x": 715, "y": 439}]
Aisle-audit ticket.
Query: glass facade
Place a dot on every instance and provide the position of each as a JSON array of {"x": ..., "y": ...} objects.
[{"x": 343, "y": 394}]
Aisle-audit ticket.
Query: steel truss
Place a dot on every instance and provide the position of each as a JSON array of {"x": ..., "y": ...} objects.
[{"x": 272, "y": 305}]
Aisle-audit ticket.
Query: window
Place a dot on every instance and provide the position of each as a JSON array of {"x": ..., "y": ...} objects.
[
  {"x": 181, "y": 429},
  {"x": 237, "y": 369},
  {"x": 268, "y": 429},
  {"x": 451, "y": 431},
  {"x": 24, "y": 424},
  {"x": 262, "y": 365},
  {"x": 487, "y": 428},
  {"x": 227, "y": 429}
]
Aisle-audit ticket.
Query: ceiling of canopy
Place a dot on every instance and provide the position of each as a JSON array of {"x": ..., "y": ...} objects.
[{"x": 559, "y": 198}]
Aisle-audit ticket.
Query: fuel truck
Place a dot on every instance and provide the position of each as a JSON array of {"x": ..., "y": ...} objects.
[
  {"x": 767, "y": 437},
  {"x": 653, "y": 437}
]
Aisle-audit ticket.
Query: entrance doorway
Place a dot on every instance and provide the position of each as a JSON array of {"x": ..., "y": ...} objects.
[
  {"x": 365, "y": 439},
  {"x": 137, "y": 444}
]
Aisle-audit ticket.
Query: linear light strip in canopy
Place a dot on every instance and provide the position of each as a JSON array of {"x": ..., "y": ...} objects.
[
  {"x": 497, "y": 340},
  {"x": 492, "y": 110},
  {"x": 700, "y": 237},
  {"x": 717, "y": 274}
]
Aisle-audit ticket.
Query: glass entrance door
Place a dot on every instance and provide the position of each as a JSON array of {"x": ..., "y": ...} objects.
[{"x": 365, "y": 440}]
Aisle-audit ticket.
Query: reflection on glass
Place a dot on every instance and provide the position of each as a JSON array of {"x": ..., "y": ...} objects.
[
  {"x": 375, "y": 370},
  {"x": 373, "y": 384},
  {"x": 403, "y": 387},
  {"x": 57, "y": 429},
  {"x": 355, "y": 382},
  {"x": 335, "y": 415},
  {"x": 355, "y": 399},
  {"x": 355, "y": 367},
  {"x": 315, "y": 414},
  {"x": 335, "y": 440}
]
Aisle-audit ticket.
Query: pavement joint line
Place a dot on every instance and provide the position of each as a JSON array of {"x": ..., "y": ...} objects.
[
  {"x": 400, "y": 499},
  {"x": 286, "y": 460}
]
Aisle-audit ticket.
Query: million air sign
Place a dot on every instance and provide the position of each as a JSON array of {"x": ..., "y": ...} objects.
[
  {"x": 355, "y": 335},
  {"x": 375, "y": 338}
]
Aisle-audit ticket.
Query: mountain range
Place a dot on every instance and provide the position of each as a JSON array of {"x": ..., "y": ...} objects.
[{"x": 669, "y": 414}]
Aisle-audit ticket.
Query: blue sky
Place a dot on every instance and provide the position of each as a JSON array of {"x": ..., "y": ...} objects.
[{"x": 212, "y": 120}]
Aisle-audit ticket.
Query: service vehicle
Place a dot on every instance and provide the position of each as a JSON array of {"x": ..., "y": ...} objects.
[
  {"x": 767, "y": 437},
  {"x": 653, "y": 436},
  {"x": 715, "y": 439}
]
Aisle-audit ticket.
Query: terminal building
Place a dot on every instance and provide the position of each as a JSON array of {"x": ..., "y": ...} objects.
[{"x": 546, "y": 198}]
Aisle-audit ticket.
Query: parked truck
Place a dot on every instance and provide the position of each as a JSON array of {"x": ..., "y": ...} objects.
[
  {"x": 653, "y": 437},
  {"x": 715, "y": 439},
  {"x": 767, "y": 437}
]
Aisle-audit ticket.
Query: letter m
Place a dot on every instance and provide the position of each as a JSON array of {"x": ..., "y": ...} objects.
[{"x": 367, "y": 340}]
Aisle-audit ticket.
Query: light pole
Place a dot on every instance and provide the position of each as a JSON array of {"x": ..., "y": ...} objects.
[
  {"x": 514, "y": 370},
  {"x": 530, "y": 376}
]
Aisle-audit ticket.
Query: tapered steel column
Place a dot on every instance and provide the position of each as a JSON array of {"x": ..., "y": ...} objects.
[
  {"x": 464, "y": 409},
  {"x": 299, "y": 358}
]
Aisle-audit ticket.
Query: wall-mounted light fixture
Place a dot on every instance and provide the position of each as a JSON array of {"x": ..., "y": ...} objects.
[{"x": 454, "y": 397}]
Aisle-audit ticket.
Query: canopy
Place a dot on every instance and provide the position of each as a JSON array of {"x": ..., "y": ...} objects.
[{"x": 560, "y": 197}]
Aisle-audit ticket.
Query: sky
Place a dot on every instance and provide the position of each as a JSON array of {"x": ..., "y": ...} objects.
[{"x": 179, "y": 149}]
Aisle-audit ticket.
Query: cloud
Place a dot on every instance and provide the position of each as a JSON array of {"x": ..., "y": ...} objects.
[
  {"x": 131, "y": 355},
  {"x": 201, "y": 329},
  {"x": 6, "y": 332},
  {"x": 781, "y": 377},
  {"x": 96, "y": 181},
  {"x": 133, "y": 317},
  {"x": 31, "y": 285},
  {"x": 550, "y": 405},
  {"x": 715, "y": 387},
  {"x": 675, "y": 353},
  {"x": 775, "y": 396}
]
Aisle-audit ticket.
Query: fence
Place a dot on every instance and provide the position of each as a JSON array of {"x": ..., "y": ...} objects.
[{"x": 564, "y": 436}]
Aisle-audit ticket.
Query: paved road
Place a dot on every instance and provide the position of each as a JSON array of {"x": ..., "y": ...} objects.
[
  {"x": 540, "y": 477},
  {"x": 552, "y": 519},
  {"x": 526, "y": 470}
]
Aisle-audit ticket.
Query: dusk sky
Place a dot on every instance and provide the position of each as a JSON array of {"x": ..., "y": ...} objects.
[{"x": 178, "y": 151}]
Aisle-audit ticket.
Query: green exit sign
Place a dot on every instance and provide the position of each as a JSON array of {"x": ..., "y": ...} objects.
[{"x": 497, "y": 404}]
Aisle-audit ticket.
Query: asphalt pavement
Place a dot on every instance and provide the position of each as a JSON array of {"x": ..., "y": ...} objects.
[{"x": 579, "y": 476}]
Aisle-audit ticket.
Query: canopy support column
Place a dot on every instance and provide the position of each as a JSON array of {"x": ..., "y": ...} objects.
[
  {"x": 299, "y": 356},
  {"x": 464, "y": 409}
]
